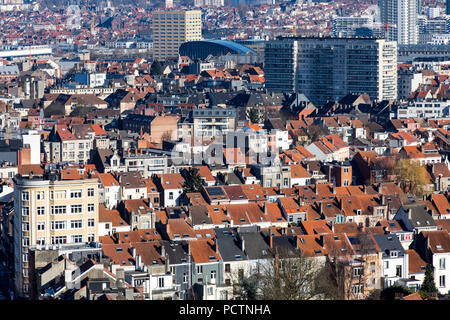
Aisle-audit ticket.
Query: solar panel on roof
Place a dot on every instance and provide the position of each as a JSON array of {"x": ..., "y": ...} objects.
[{"x": 215, "y": 191}]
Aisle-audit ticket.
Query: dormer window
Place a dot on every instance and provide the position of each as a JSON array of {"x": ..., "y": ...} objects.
[
  {"x": 394, "y": 254},
  {"x": 358, "y": 212}
]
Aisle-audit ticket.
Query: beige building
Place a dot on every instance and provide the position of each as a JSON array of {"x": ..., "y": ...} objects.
[
  {"x": 172, "y": 28},
  {"x": 51, "y": 212}
]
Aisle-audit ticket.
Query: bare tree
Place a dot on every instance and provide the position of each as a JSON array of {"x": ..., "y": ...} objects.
[
  {"x": 348, "y": 269},
  {"x": 287, "y": 275}
]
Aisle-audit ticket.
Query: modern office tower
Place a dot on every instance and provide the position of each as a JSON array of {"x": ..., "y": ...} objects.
[
  {"x": 400, "y": 19},
  {"x": 172, "y": 28},
  {"x": 52, "y": 212},
  {"x": 326, "y": 69}
]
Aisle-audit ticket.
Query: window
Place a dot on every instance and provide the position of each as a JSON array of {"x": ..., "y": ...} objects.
[
  {"x": 40, "y": 195},
  {"x": 25, "y": 211},
  {"x": 441, "y": 281},
  {"x": 76, "y": 224},
  {"x": 357, "y": 289},
  {"x": 372, "y": 267},
  {"x": 76, "y": 208},
  {"x": 199, "y": 269},
  {"x": 90, "y": 207},
  {"x": 59, "y": 239},
  {"x": 185, "y": 277},
  {"x": 442, "y": 263},
  {"x": 213, "y": 274},
  {"x": 210, "y": 291},
  {"x": 398, "y": 271},
  {"x": 386, "y": 264},
  {"x": 78, "y": 238},
  {"x": 58, "y": 195},
  {"x": 26, "y": 242},
  {"x": 161, "y": 282},
  {"x": 357, "y": 271},
  {"x": 40, "y": 241},
  {"x": 394, "y": 254},
  {"x": 58, "y": 209},
  {"x": 227, "y": 267},
  {"x": 59, "y": 225},
  {"x": 25, "y": 257},
  {"x": 76, "y": 193},
  {"x": 91, "y": 237},
  {"x": 25, "y": 226},
  {"x": 41, "y": 226},
  {"x": 25, "y": 196},
  {"x": 40, "y": 211},
  {"x": 170, "y": 195},
  {"x": 90, "y": 192},
  {"x": 91, "y": 222}
]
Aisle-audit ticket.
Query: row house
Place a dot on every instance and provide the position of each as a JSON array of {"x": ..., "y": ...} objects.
[{"x": 64, "y": 146}]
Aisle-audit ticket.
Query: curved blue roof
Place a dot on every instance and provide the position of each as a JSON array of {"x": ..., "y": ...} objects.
[{"x": 232, "y": 45}]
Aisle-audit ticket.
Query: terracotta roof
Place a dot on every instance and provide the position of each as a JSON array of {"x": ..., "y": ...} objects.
[
  {"x": 415, "y": 262},
  {"x": 203, "y": 250},
  {"x": 113, "y": 216}
]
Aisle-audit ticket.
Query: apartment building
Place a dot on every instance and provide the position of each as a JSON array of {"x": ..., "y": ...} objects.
[
  {"x": 327, "y": 69},
  {"x": 210, "y": 122},
  {"x": 172, "y": 28},
  {"x": 51, "y": 212},
  {"x": 401, "y": 20},
  {"x": 63, "y": 145}
]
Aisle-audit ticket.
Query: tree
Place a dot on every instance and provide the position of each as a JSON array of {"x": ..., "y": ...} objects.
[
  {"x": 193, "y": 181},
  {"x": 254, "y": 115},
  {"x": 428, "y": 286},
  {"x": 285, "y": 275},
  {"x": 412, "y": 176},
  {"x": 156, "y": 68},
  {"x": 344, "y": 272},
  {"x": 314, "y": 132},
  {"x": 392, "y": 292}
]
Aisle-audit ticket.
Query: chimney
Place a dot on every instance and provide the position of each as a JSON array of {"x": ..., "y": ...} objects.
[
  {"x": 265, "y": 208},
  {"x": 321, "y": 241},
  {"x": 216, "y": 247},
  {"x": 133, "y": 252},
  {"x": 321, "y": 208},
  {"x": 364, "y": 189},
  {"x": 270, "y": 237},
  {"x": 383, "y": 199},
  {"x": 242, "y": 244},
  {"x": 163, "y": 251}
]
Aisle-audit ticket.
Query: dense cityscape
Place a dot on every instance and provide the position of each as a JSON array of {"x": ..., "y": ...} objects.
[{"x": 224, "y": 150}]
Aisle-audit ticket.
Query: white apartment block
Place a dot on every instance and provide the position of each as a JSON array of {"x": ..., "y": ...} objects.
[
  {"x": 326, "y": 69},
  {"x": 400, "y": 18}
]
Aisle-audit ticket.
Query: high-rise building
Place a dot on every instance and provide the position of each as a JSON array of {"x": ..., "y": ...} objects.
[
  {"x": 326, "y": 69},
  {"x": 172, "y": 28},
  {"x": 400, "y": 19},
  {"x": 51, "y": 212},
  {"x": 208, "y": 3}
]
